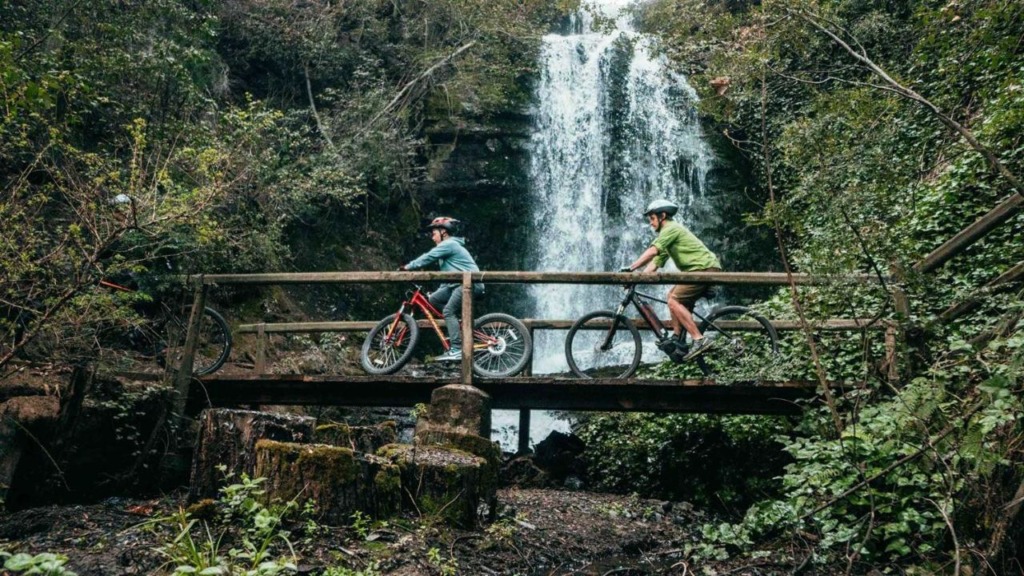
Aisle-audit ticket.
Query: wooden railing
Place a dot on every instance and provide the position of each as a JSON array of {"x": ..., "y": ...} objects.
[{"x": 467, "y": 279}]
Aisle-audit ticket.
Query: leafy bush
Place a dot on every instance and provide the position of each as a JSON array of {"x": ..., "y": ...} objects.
[
  {"x": 713, "y": 461},
  {"x": 44, "y": 564}
]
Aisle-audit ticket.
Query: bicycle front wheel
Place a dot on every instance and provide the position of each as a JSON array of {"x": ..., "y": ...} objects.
[
  {"x": 603, "y": 344},
  {"x": 212, "y": 347},
  {"x": 743, "y": 343},
  {"x": 390, "y": 344},
  {"x": 502, "y": 346}
]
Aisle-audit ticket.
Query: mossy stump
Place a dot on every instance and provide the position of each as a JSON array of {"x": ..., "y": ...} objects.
[
  {"x": 337, "y": 480},
  {"x": 475, "y": 445},
  {"x": 229, "y": 437},
  {"x": 458, "y": 408},
  {"x": 444, "y": 484},
  {"x": 365, "y": 439}
]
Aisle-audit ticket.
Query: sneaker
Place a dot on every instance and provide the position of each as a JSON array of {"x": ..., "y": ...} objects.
[
  {"x": 699, "y": 347},
  {"x": 669, "y": 345},
  {"x": 678, "y": 355},
  {"x": 452, "y": 355}
]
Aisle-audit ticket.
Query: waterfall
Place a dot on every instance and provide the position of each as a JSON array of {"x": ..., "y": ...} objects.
[{"x": 614, "y": 129}]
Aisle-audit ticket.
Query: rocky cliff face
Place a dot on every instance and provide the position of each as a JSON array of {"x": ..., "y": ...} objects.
[{"x": 477, "y": 172}]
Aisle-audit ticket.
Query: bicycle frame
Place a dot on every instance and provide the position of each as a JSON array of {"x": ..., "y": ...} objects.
[
  {"x": 635, "y": 298},
  {"x": 418, "y": 301}
]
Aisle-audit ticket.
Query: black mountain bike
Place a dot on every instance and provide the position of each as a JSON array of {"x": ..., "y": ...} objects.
[
  {"x": 160, "y": 336},
  {"x": 607, "y": 344}
]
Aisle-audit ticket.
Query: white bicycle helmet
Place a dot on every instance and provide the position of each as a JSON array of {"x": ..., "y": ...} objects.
[{"x": 661, "y": 205}]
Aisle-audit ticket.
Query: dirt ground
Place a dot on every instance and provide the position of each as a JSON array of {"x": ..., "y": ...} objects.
[{"x": 538, "y": 532}]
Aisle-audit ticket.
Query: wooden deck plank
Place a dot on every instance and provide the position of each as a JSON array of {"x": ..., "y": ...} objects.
[{"x": 540, "y": 393}]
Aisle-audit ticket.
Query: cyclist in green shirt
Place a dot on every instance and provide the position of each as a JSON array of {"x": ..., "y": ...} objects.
[{"x": 689, "y": 254}]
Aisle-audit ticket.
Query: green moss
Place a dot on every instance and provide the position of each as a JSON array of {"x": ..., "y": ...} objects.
[
  {"x": 392, "y": 451},
  {"x": 467, "y": 443},
  {"x": 334, "y": 433},
  {"x": 388, "y": 480},
  {"x": 337, "y": 464}
]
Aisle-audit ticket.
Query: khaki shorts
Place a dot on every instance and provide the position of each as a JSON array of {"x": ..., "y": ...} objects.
[{"x": 688, "y": 294}]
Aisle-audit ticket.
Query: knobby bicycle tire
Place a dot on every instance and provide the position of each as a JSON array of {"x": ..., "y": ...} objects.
[
  {"x": 510, "y": 351},
  {"x": 732, "y": 347},
  {"x": 379, "y": 355},
  {"x": 583, "y": 346},
  {"x": 212, "y": 348}
]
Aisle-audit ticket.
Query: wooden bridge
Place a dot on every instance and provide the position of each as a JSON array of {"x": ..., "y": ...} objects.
[
  {"x": 525, "y": 392},
  {"x": 546, "y": 392}
]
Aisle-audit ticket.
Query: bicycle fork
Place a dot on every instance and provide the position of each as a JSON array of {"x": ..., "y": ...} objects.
[
  {"x": 607, "y": 344},
  {"x": 395, "y": 336}
]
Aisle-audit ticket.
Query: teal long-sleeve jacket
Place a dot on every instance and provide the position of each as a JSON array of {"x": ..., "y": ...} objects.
[{"x": 451, "y": 254}]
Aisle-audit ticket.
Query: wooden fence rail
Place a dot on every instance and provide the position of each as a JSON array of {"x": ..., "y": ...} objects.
[
  {"x": 514, "y": 277},
  {"x": 517, "y": 277}
]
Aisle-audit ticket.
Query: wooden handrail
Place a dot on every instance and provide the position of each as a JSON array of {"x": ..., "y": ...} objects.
[
  {"x": 1001, "y": 283},
  {"x": 514, "y": 277},
  {"x": 971, "y": 234},
  {"x": 833, "y": 325}
]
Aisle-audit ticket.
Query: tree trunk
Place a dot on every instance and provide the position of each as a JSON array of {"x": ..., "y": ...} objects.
[
  {"x": 442, "y": 483},
  {"x": 229, "y": 437},
  {"x": 337, "y": 480}
]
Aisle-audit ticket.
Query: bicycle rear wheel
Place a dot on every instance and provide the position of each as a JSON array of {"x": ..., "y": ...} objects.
[
  {"x": 743, "y": 343},
  {"x": 603, "y": 345},
  {"x": 390, "y": 344},
  {"x": 502, "y": 346},
  {"x": 212, "y": 348}
]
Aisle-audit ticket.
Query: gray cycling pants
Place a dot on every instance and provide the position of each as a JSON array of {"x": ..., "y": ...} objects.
[{"x": 448, "y": 299}]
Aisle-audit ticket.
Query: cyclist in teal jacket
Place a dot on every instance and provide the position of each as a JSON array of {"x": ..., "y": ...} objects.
[{"x": 450, "y": 251}]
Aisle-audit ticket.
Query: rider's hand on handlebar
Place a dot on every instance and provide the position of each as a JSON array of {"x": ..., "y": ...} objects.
[
  {"x": 626, "y": 269},
  {"x": 402, "y": 268}
]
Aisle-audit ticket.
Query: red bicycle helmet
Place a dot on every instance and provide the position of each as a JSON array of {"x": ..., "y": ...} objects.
[{"x": 445, "y": 223}]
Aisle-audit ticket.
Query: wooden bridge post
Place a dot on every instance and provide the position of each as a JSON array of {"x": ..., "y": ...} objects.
[
  {"x": 902, "y": 306},
  {"x": 892, "y": 371},
  {"x": 524, "y": 413},
  {"x": 261, "y": 348},
  {"x": 183, "y": 379},
  {"x": 467, "y": 328}
]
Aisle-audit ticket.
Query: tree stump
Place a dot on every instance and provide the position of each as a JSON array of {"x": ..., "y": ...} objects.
[
  {"x": 477, "y": 446},
  {"x": 337, "y": 480},
  {"x": 21, "y": 418},
  {"x": 442, "y": 483},
  {"x": 365, "y": 439},
  {"x": 229, "y": 437},
  {"x": 458, "y": 408}
]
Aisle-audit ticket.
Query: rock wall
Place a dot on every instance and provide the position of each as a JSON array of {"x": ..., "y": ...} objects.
[{"x": 478, "y": 172}]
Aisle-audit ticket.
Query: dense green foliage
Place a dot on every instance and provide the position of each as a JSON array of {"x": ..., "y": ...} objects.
[
  {"x": 223, "y": 136},
  {"x": 856, "y": 177},
  {"x": 257, "y": 135}
]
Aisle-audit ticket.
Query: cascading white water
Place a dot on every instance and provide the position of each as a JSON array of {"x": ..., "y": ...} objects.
[{"x": 614, "y": 130}]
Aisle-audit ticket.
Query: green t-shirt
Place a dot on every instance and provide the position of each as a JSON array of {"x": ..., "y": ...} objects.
[{"x": 686, "y": 250}]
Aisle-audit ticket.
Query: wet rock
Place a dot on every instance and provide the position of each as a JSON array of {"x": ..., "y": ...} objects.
[
  {"x": 561, "y": 456},
  {"x": 523, "y": 473}
]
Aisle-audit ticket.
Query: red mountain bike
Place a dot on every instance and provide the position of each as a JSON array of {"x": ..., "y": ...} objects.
[{"x": 502, "y": 345}]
